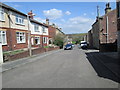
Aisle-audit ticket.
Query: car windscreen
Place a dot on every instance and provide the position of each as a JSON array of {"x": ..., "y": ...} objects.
[
  {"x": 84, "y": 43},
  {"x": 68, "y": 45}
]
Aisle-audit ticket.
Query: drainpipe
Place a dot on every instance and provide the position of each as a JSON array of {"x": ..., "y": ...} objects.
[
  {"x": 10, "y": 33},
  {"x": 107, "y": 28}
]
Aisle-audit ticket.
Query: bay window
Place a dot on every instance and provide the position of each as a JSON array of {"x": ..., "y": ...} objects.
[
  {"x": 37, "y": 40},
  {"x": 44, "y": 39},
  {"x": 20, "y": 37},
  {"x": 3, "y": 40}
]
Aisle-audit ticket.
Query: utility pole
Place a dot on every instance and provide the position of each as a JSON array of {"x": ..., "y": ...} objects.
[{"x": 29, "y": 37}]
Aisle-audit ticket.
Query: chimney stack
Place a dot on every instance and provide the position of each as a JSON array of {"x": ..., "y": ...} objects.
[
  {"x": 47, "y": 21},
  {"x": 53, "y": 25},
  {"x": 108, "y": 8},
  {"x": 30, "y": 14}
]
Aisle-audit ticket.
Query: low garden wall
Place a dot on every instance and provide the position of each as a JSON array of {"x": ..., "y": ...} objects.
[{"x": 9, "y": 57}]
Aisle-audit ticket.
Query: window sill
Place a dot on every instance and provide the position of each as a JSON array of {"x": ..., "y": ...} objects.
[
  {"x": 4, "y": 44},
  {"x": 37, "y": 31},
  {"x": 20, "y": 24},
  {"x": 2, "y": 20},
  {"x": 21, "y": 42}
]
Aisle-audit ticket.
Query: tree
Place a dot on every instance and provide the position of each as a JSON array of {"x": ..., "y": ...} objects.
[{"x": 59, "y": 41}]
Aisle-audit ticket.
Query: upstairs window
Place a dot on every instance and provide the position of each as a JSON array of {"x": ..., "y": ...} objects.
[
  {"x": 20, "y": 37},
  {"x": 2, "y": 15},
  {"x": 3, "y": 40},
  {"x": 44, "y": 31},
  {"x": 36, "y": 28},
  {"x": 19, "y": 20}
]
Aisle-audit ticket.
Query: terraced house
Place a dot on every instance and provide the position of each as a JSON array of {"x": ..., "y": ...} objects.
[
  {"x": 14, "y": 30},
  {"x": 39, "y": 32}
]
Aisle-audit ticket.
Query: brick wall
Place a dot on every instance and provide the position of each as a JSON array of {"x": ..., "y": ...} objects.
[
  {"x": 90, "y": 39},
  {"x": 112, "y": 28},
  {"x": 95, "y": 35},
  {"x": 12, "y": 42},
  {"x": 52, "y": 31},
  {"x": 26, "y": 53}
]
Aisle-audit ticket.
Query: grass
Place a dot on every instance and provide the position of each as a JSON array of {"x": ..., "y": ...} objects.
[
  {"x": 46, "y": 46},
  {"x": 13, "y": 52}
]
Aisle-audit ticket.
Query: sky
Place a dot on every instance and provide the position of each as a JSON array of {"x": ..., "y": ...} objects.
[{"x": 72, "y": 17}]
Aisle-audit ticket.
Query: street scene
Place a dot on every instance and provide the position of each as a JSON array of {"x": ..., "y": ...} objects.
[
  {"x": 60, "y": 44},
  {"x": 64, "y": 69}
]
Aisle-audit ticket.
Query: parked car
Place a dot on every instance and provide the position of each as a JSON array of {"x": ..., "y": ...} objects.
[
  {"x": 73, "y": 45},
  {"x": 68, "y": 47},
  {"x": 83, "y": 44}
]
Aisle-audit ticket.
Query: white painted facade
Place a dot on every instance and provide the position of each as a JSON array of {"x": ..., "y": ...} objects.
[{"x": 40, "y": 30}]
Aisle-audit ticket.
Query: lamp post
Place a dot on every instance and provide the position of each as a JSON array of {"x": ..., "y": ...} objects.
[{"x": 29, "y": 35}]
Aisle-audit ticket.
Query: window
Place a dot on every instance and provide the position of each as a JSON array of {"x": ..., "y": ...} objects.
[
  {"x": 36, "y": 28},
  {"x": 44, "y": 39},
  {"x": 44, "y": 31},
  {"x": 19, "y": 20},
  {"x": 3, "y": 40},
  {"x": 2, "y": 15},
  {"x": 20, "y": 37},
  {"x": 37, "y": 40}
]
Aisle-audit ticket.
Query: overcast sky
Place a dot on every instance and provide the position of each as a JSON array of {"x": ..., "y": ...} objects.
[{"x": 72, "y": 17}]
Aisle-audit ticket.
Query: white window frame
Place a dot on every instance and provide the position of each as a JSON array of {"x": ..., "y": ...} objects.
[
  {"x": 38, "y": 40},
  {"x": 2, "y": 14},
  {"x": 19, "y": 19},
  {"x": 1, "y": 36},
  {"x": 44, "y": 39},
  {"x": 36, "y": 28},
  {"x": 21, "y": 35},
  {"x": 44, "y": 30}
]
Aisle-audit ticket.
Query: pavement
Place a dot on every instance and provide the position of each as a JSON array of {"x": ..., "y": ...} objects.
[
  {"x": 19, "y": 62},
  {"x": 109, "y": 59},
  {"x": 61, "y": 69}
]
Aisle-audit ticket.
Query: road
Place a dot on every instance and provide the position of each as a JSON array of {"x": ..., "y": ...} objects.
[{"x": 64, "y": 69}]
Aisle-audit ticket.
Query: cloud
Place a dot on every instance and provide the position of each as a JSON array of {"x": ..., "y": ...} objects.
[
  {"x": 17, "y": 5},
  {"x": 63, "y": 20},
  {"x": 67, "y": 12},
  {"x": 40, "y": 19},
  {"x": 53, "y": 13},
  {"x": 93, "y": 13},
  {"x": 84, "y": 14},
  {"x": 77, "y": 25}
]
